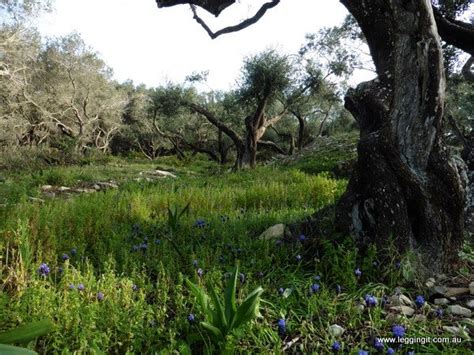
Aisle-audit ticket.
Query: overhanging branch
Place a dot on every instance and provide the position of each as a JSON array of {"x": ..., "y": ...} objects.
[
  {"x": 457, "y": 33},
  {"x": 244, "y": 24},
  {"x": 215, "y": 7}
]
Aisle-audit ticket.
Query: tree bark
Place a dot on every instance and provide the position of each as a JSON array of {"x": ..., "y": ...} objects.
[{"x": 404, "y": 186}]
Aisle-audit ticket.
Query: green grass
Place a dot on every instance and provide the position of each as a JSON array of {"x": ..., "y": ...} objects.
[{"x": 106, "y": 228}]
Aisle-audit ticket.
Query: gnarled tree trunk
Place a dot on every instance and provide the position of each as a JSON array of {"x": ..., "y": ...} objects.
[{"x": 404, "y": 186}]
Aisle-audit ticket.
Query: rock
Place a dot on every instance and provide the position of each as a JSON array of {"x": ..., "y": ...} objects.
[
  {"x": 35, "y": 199},
  {"x": 336, "y": 330},
  {"x": 452, "y": 329},
  {"x": 275, "y": 232},
  {"x": 64, "y": 188},
  {"x": 46, "y": 188},
  {"x": 440, "y": 290},
  {"x": 459, "y": 311},
  {"x": 407, "y": 311},
  {"x": 456, "y": 291},
  {"x": 393, "y": 317},
  {"x": 163, "y": 173},
  {"x": 96, "y": 187},
  {"x": 441, "y": 301},
  {"x": 430, "y": 282},
  {"x": 360, "y": 308},
  {"x": 470, "y": 303},
  {"x": 419, "y": 318},
  {"x": 400, "y": 300},
  {"x": 471, "y": 288}
]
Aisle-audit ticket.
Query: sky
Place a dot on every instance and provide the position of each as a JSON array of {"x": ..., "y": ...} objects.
[{"x": 152, "y": 46}]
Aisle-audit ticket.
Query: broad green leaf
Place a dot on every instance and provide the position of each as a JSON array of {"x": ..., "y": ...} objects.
[
  {"x": 229, "y": 296},
  {"x": 26, "y": 333},
  {"x": 202, "y": 297},
  {"x": 185, "y": 209},
  {"x": 14, "y": 350},
  {"x": 248, "y": 309},
  {"x": 220, "y": 321},
  {"x": 213, "y": 330}
]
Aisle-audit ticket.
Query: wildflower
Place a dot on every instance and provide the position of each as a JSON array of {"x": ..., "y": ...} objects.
[
  {"x": 317, "y": 278},
  {"x": 336, "y": 346},
  {"x": 200, "y": 272},
  {"x": 374, "y": 264},
  {"x": 72, "y": 287},
  {"x": 338, "y": 289},
  {"x": 385, "y": 300},
  {"x": 134, "y": 287},
  {"x": 370, "y": 301},
  {"x": 419, "y": 301},
  {"x": 298, "y": 257},
  {"x": 143, "y": 246},
  {"x": 302, "y": 238},
  {"x": 44, "y": 270},
  {"x": 358, "y": 273},
  {"x": 157, "y": 241},
  {"x": 439, "y": 313},
  {"x": 100, "y": 296},
  {"x": 195, "y": 263},
  {"x": 378, "y": 345},
  {"x": 398, "y": 331},
  {"x": 65, "y": 257},
  {"x": 314, "y": 288},
  {"x": 281, "y": 290},
  {"x": 363, "y": 352},
  {"x": 73, "y": 251},
  {"x": 281, "y": 326},
  {"x": 398, "y": 264},
  {"x": 242, "y": 278},
  {"x": 80, "y": 287},
  {"x": 390, "y": 351},
  {"x": 200, "y": 223},
  {"x": 191, "y": 318}
]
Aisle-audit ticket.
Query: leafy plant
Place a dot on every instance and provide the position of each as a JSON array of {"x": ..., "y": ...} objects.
[
  {"x": 224, "y": 317},
  {"x": 22, "y": 335}
]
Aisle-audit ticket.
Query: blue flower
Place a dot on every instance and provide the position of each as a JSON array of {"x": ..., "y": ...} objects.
[
  {"x": 357, "y": 272},
  {"x": 80, "y": 287},
  {"x": 302, "y": 238},
  {"x": 298, "y": 257},
  {"x": 143, "y": 246},
  {"x": 281, "y": 290},
  {"x": 73, "y": 251},
  {"x": 338, "y": 289},
  {"x": 439, "y": 313},
  {"x": 370, "y": 300},
  {"x": 378, "y": 345},
  {"x": 100, "y": 296},
  {"x": 200, "y": 272},
  {"x": 398, "y": 331},
  {"x": 419, "y": 301},
  {"x": 65, "y": 257},
  {"x": 195, "y": 263},
  {"x": 363, "y": 352},
  {"x": 72, "y": 287},
  {"x": 44, "y": 270},
  {"x": 398, "y": 264},
  {"x": 191, "y": 318},
  {"x": 281, "y": 326},
  {"x": 390, "y": 351},
  {"x": 200, "y": 223},
  {"x": 157, "y": 241},
  {"x": 336, "y": 346},
  {"x": 315, "y": 288}
]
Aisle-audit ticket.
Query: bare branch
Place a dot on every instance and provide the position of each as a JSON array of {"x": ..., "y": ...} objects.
[
  {"x": 244, "y": 24},
  {"x": 215, "y": 7},
  {"x": 457, "y": 33}
]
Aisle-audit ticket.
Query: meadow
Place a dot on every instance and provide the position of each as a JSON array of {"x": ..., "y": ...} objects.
[{"x": 108, "y": 269}]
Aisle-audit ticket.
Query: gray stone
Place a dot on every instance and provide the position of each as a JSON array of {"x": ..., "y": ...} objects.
[
  {"x": 470, "y": 303},
  {"x": 274, "y": 232},
  {"x": 35, "y": 199},
  {"x": 452, "y": 329},
  {"x": 336, "y": 330},
  {"x": 419, "y": 318},
  {"x": 459, "y": 311},
  {"x": 440, "y": 289},
  {"x": 405, "y": 310},
  {"x": 400, "y": 300},
  {"x": 471, "y": 288},
  {"x": 456, "y": 291},
  {"x": 163, "y": 173},
  {"x": 441, "y": 301},
  {"x": 393, "y": 317},
  {"x": 430, "y": 282}
]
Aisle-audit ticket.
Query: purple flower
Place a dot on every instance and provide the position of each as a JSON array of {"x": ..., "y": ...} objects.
[
  {"x": 44, "y": 270},
  {"x": 200, "y": 223},
  {"x": 390, "y": 351},
  {"x": 315, "y": 288},
  {"x": 302, "y": 238},
  {"x": 200, "y": 272},
  {"x": 100, "y": 296},
  {"x": 378, "y": 345},
  {"x": 281, "y": 290},
  {"x": 80, "y": 287},
  {"x": 398, "y": 331},
  {"x": 336, "y": 346},
  {"x": 419, "y": 301},
  {"x": 358, "y": 274},
  {"x": 298, "y": 257},
  {"x": 439, "y": 313},
  {"x": 143, "y": 246},
  {"x": 72, "y": 287},
  {"x": 65, "y": 257},
  {"x": 363, "y": 352},
  {"x": 370, "y": 300},
  {"x": 281, "y": 326},
  {"x": 191, "y": 318}
]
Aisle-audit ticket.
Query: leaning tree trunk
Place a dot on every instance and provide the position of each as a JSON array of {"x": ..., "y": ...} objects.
[{"x": 404, "y": 185}]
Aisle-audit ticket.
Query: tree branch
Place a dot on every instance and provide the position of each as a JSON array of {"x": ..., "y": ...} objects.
[
  {"x": 215, "y": 7},
  {"x": 244, "y": 24},
  {"x": 271, "y": 145},
  {"x": 467, "y": 70},
  {"x": 457, "y": 33}
]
